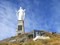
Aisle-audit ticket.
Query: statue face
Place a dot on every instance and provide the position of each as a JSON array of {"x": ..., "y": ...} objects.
[{"x": 20, "y": 7}]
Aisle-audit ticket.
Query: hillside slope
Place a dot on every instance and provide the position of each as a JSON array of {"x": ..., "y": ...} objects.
[{"x": 23, "y": 40}]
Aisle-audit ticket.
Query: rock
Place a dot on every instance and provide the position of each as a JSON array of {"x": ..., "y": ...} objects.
[{"x": 40, "y": 37}]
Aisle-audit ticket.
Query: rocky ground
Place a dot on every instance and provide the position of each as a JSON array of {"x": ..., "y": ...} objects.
[{"x": 24, "y": 40}]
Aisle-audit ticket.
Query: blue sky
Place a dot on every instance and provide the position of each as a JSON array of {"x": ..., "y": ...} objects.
[{"x": 40, "y": 15}]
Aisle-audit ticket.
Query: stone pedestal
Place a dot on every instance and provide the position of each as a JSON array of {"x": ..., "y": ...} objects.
[{"x": 20, "y": 27}]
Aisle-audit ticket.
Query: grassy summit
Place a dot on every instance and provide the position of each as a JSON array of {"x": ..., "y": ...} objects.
[{"x": 54, "y": 40}]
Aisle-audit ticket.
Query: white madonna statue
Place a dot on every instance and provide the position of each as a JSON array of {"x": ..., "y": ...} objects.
[{"x": 21, "y": 14}]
